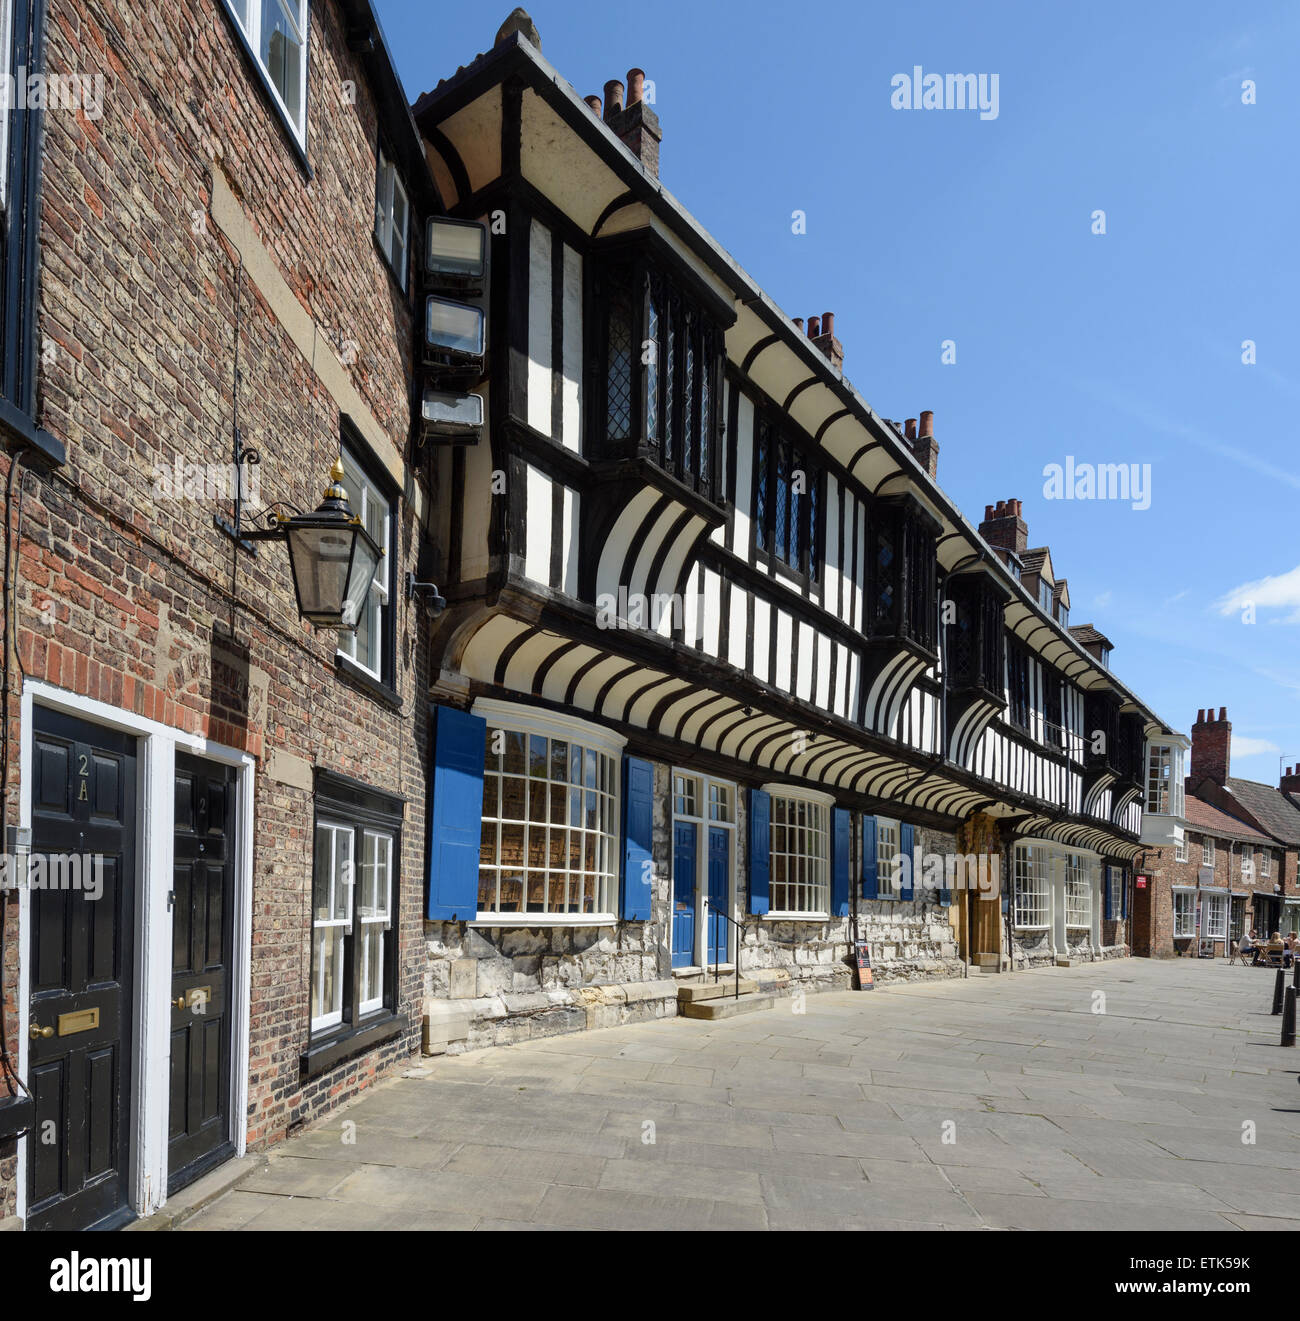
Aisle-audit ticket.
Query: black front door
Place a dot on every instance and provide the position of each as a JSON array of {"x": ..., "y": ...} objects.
[
  {"x": 82, "y": 877},
  {"x": 202, "y": 934}
]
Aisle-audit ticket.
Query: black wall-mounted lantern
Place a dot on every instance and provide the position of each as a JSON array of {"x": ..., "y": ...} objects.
[{"x": 331, "y": 555}]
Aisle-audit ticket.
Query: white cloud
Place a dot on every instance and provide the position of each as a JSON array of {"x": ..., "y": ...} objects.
[
  {"x": 1281, "y": 591},
  {"x": 1243, "y": 746}
]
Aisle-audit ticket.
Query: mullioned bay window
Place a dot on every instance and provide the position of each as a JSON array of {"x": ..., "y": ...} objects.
[
  {"x": 661, "y": 373},
  {"x": 1164, "y": 780},
  {"x": 903, "y": 566},
  {"x": 788, "y": 502}
]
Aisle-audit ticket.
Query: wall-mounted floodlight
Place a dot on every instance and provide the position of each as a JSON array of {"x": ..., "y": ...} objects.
[{"x": 455, "y": 419}]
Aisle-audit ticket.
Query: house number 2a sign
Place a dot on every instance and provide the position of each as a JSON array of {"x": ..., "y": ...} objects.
[{"x": 83, "y": 771}]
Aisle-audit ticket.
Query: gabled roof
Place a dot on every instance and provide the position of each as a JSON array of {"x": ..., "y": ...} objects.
[
  {"x": 1209, "y": 820},
  {"x": 1062, "y": 594},
  {"x": 1269, "y": 806},
  {"x": 1085, "y": 634},
  {"x": 1035, "y": 560}
]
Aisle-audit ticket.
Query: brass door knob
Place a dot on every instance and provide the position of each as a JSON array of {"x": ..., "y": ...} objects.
[
  {"x": 38, "y": 1033},
  {"x": 179, "y": 1002}
]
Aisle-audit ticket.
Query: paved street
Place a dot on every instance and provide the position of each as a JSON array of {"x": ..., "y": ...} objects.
[{"x": 994, "y": 1103}]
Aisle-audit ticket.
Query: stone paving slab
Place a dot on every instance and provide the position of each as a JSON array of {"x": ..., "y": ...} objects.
[{"x": 991, "y": 1103}]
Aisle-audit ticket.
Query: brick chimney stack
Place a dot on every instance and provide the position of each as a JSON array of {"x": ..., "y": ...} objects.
[
  {"x": 1211, "y": 746},
  {"x": 923, "y": 444},
  {"x": 1290, "y": 782},
  {"x": 824, "y": 339},
  {"x": 1003, "y": 528},
  {"x": 635, "y": 123}
]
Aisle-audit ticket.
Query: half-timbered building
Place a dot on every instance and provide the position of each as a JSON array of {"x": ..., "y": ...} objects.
[{"x": 719, "y": 651}]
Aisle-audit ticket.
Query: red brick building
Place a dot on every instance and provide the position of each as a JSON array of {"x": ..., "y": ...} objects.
[
  {"x": 226, "y": 225},
  {"x": 1235, "y": 870}
]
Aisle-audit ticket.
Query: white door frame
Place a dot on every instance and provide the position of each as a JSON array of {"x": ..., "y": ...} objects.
[
  {"x": 704, "y": 824},
  {"x": 155, "y": 825}
]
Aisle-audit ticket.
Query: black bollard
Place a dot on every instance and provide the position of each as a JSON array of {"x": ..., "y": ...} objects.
[
  {"x": 1277, "y": 990},
  {"x": 1295, "y": 971},
  {"x": 1288, "y": 1018}
]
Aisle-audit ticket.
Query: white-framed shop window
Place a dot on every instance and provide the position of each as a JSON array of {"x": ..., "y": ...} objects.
[
  {"x": 1216, "y": 917},
  {"x": 550, "y": 824},
  {"x": 276, "y": 31},
  {"x": 1184, "y": 914},
  {"x": 1029, "y": 878},
  {"x": 392, "y": 217},
  {"x": 1207, "y": 851},
  {"x": 887, "y": 845},
  {"x": 332, "y": 883},
  {"x": 800, "y": 857},
  {"x": 374, "y": 915},
  {"x": 366, "y": 646},
  {"x": 1078, "y": 891}
]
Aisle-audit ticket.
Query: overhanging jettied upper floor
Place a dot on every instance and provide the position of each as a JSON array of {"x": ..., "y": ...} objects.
[{"x": 585, "y": 514}]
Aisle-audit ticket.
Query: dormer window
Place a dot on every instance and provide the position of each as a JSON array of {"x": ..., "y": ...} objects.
[
  {"x": 661, "y": 362},
  {"x": 1062, "y": 615},
  {"x": 1045, "y": 595}
]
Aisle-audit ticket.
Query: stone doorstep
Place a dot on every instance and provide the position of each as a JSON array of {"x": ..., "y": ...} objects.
[
  {"x": 200, "y": 1194},
  {"x": 712, "y": 990},
  {"x": 724, "y": 1008}
]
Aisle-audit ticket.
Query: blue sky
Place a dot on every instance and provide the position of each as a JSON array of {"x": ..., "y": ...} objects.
[{"x": 925, "y": 226}]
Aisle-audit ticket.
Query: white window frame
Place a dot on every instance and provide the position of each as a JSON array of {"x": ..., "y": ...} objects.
[
  {"x": 814, "y": 865},
  {"x": 248, "y": 15},
  {"x": 1266, "y": 862},
  {"x": 1180, "y": 849},
  {"x": 367, "y": 494},
  {"x": 1159, "y": 786},
  {"x": 889, "y": 840},
  {"x": 333, "y": 1016},
  {"x": 1078, "y": 891},
  {"x": 1207, "y": 851},
  {"x": 516, "y": 718},
  {"x": 1247, "y": 861},
  {"x": 376, "y": 915},
  {"x": 1216, "y": 916},
  {"x": 1031, "y": 887},
  {"x": 1184, "y": 922},
  {"x": 388, "y": 185}
]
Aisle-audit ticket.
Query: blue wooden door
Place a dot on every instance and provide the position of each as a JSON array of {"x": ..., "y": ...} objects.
[
  {"x": 719, "y": 884},
  {"x": 684, "y": 858}
]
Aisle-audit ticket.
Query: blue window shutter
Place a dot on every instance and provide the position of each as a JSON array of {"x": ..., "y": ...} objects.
[
  {"x": 840, "y": 863},
  {"x": 1123, "y": 893},
  {"x": 638, "y": 829},
  {"x": 945, "y": 892},
  {"x": 760, "y": 850},
  {"x": 457, "y": 827},
  {"x": 1110, "y": 895},
  {"x": 870, "y": 882},
  {"x": 908, "y": 888}
]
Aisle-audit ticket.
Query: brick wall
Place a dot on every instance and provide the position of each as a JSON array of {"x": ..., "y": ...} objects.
[{"x": 140, "y": 601}]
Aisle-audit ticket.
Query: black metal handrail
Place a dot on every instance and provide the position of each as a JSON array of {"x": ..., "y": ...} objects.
[{"x": 740, "y": 929}]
